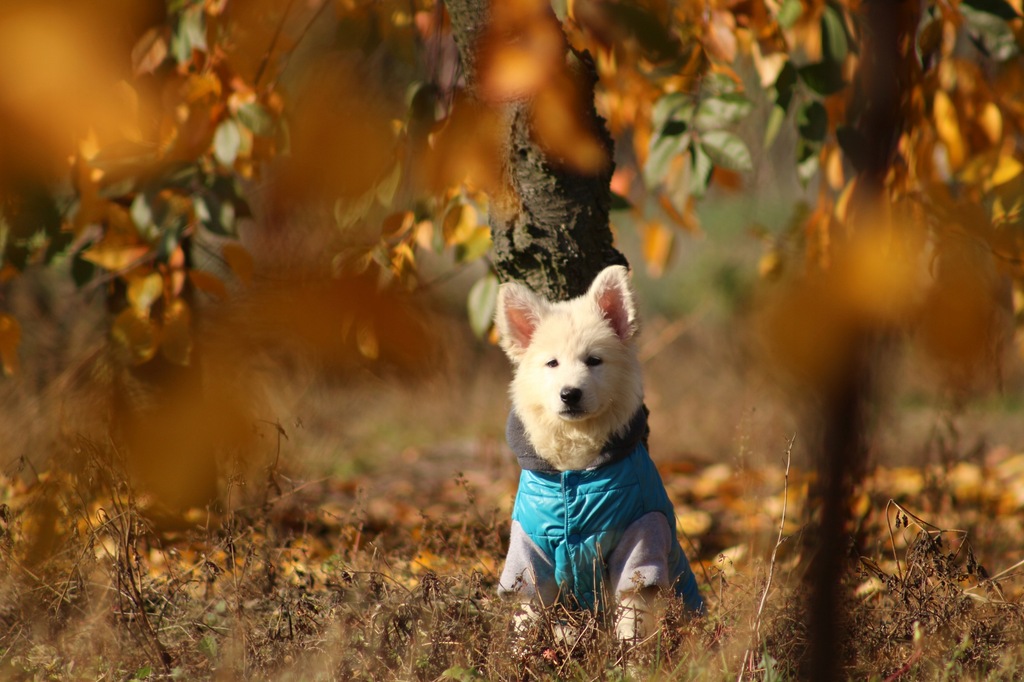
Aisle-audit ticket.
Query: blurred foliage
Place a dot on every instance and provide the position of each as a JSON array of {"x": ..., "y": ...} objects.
[{"x": 131, "y": 130}]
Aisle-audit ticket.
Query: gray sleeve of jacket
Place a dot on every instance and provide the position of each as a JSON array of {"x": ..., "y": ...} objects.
[
  {"x": 640, "y": 560},
  {"x": 528, "y": 573}
]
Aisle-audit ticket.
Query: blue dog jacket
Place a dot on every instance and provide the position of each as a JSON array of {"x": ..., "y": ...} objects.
[{"x": 576, "y": 520}]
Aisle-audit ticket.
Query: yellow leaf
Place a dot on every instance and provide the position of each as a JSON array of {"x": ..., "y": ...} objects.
[
  {"x": 881, "y": 278},
  {"x": 966, "y": 481},
  {"x": 512, "y": 69},
  {"x": 1007, "y": 168},
  {"x": 834, "y": 168},
  {"x": 770, "y": 265},
  {"x": 176, "y": 264},
  {"x": 768, "y": 66},
  {"x": 401, "y": 256},
  {"x": 478, "y": 244},
  {"x": 115, "y": 257},
  {"x": 397, "y": 224},
  {"x": 710, "y": 480},
  {"x": 426, "y": 561},
  {"x": 693, "y": 522},
  {"x": 208, "y": 283},
  {"x": 657, "y": 247},
  {"x": 459, "y": 224},
  {"x": 842, "y": 206},
  {"x": 425, "y": 234},
  {"x": 10, "y": 338},
  {"x": 143, "y": 291},
  {"x": 947, "y": 125},
  {"x": 149, "y": 52},
  {"x": 199, "y": 85},
  {"x": 366, "y": 341},
  {"x": 239, "y": 260},
  {"x": 176, "y": 344},
  {"x": 720, "y": 39},
  {"x": 872, "y": 585},
  {"x": 687, "y": 219},
  {"x": 135, "y": 335},
  {"x": 730, "y": 559},
  {"x": 559, "y": 131},
  {"x": 991, "y": 121}
]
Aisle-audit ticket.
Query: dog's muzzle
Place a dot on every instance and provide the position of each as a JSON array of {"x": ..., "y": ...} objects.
[{"x": 571, "y": 398}]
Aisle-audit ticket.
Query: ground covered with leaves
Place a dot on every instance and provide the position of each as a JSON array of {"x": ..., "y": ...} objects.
[{"x": 378, "y": 576}]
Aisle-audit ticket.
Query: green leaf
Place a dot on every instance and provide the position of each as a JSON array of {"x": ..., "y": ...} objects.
[
  {"x": 208, "y": 646},
  {"x": 833, "y": 35},
  {"x": 190, "y": 34},
  {"x": 141, "y": 212},
  {"x": 700, "y": 173},
  {"x": 170, "y": 238},
  {"x": 807, "y": 161},
  {"x": 82, "y": 271},
  {"x": 727, "y": 150},
  {"x": 784, "y": 85},
  {"x": 674, "y": 106},
  {"x": 460, "y": 674},
  {"x": 775, "y": 120},
  {"x": 226, "y": 141},
  {"x": 256, "y": 118},
  {"x": 214, "y": 213},
  {"x": 812, "y": 121},
  {"x": 143, "y": 673},
  {"x": 789, "y": 13},
  {"x": 476, "y": 246},
  {"x": 999, "y": 8},
  {"x": 481, "y": 304},
  {"x": 990, "y": 33},
  {"x": 718, "y": 84},
  {"x": 807, "y": 169},
  {"x": 56, "y": 245},
  {"x": 663, "y": 150},
  {"x": 825, "y": 78},
  {"x": 723, "y": 111},
  {"x": 620, "y": 203}
]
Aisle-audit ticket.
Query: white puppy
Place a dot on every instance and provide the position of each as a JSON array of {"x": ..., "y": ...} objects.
[{"x": 592, "y": 518}]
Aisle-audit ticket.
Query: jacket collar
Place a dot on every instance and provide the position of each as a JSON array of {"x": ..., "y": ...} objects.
[{"x": 618, "y": 447}]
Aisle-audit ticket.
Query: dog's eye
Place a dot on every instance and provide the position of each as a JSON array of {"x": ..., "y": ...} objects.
[
  {"x": 593, "y": 361},
  {"x": 552, "y": 363}
]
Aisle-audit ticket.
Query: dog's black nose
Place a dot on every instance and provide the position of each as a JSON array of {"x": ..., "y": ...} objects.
[{"x": 571, "y": 396}]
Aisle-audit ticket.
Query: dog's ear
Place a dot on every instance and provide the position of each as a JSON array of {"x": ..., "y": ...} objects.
[
  {"x": 612, "y": 293},
  {"x": 518, "y": 313}
]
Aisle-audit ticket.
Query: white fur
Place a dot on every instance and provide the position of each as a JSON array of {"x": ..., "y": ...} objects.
[
  {"x": 537, "y": 333},
  {"x": 600, "y": 324}
]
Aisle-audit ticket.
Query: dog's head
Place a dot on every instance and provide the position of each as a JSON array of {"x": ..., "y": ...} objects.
[{"x": 575, "y": 360}]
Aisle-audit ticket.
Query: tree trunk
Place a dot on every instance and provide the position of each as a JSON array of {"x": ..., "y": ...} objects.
[
  {"x": 549, "y": 222},
  {"x": 883, "y": 86}
]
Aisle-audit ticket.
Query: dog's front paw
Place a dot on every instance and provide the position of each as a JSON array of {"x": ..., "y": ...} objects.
[
  {"x": 636, "y": 617},
  {"x": 524, "y": 617}
]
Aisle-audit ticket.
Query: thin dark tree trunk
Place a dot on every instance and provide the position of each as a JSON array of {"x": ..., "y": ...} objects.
[
  {"x": 883, "y": 85},
  {"x": 549, "y": 222}
]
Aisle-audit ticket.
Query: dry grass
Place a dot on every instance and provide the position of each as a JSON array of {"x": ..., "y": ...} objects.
[{"x": 303, "y": 581}]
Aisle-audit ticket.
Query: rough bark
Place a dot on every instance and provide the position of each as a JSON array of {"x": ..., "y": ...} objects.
[{"x": 549, "y": 223}]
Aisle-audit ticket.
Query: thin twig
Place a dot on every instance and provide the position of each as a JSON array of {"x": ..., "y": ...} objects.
[
  {"x": 749, "y": 654},
  {"x": 273, "y": 46}
]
